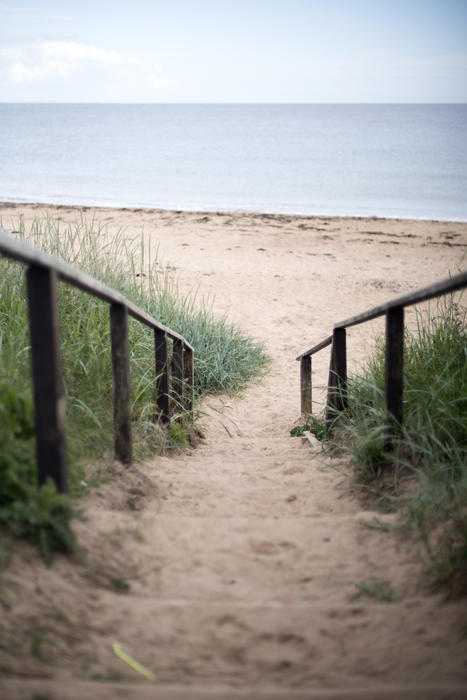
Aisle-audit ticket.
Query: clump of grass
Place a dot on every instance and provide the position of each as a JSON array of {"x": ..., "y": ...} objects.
[
  {"x": 379, "y": 590},
  {"x": 119, "y": 585},
  {"x": 424, "y": 476},
  {"x": 225, "y": 359}
]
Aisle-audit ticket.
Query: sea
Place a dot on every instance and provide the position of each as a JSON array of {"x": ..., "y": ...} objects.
[{"x": 384, "y": 160}]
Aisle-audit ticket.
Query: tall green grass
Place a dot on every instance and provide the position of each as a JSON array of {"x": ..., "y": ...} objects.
[
  {"x": 225, "y": 358},
  {"x": 425, "y": 475}
]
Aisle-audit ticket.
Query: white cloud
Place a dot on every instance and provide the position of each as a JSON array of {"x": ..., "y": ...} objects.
[{"x": 45, "y": 60}]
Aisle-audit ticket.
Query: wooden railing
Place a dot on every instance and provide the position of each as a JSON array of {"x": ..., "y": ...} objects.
[
  {"x": 174, "y": 374},
  {"x": 394, "y": 357}
]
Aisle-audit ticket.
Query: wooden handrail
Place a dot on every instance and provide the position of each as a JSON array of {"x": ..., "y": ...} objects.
[
  {"x": 445, "y": 286},
  {"x": 23, "y": 252},
  {"x": 337, "y": 383},
  {"x": 174, "y": 377}
]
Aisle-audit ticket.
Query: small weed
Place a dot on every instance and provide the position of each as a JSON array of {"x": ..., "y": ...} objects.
[
  {"x": 378, "y": 590},
  {"x": 316, "y": 426},
  {"x": 178, "y": 436},
  {"x": 39, "y": 639},
  {"x": 119, "y": 535},
  {"x": 119, "y": 585},
  {"x": 44, "y": 517},
  {"x": 299, "y": 430},
  {"x": 380, "y": 526}
]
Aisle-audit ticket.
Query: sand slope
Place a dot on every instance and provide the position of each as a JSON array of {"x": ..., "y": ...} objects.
[{"x": 244, "y": 556}]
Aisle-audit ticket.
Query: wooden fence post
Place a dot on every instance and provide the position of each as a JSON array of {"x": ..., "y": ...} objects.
[
  {"x": 121, "y": 383},
  {"x": 394, "y": 382},
  {"x": 177, "y": 374},
  {"x": 189, "y": 375},
  {"x": 162, "y": 374},
  {"x": 306, "y": 386},
  {"x": 49, "y": 394},
  {"x": 337, "y": 383}
]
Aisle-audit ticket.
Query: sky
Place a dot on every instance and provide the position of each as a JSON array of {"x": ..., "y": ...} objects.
[{"x": 230, "y": 51}]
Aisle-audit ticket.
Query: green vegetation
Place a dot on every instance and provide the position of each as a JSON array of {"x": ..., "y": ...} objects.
[
  {"x": 41, "y": 515},
  {"x": 424, "y": 476},
  {"x": 379, "y": 590},
  {"x": 119, "y": 585},
  {"x": 41, "y": 643},
  {"x": 299, "y": 430},
  {"x": 315, "y": 426},
  {"x": 225, "y": 361}
]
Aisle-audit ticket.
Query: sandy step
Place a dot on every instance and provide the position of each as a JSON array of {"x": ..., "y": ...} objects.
[
  {"x": 267, "y": 446},
  {"x": 282, "y": 646},
  {"x": 241, "y": 464},
  {"x": 240, "y": 559},
  {"x": 257, "y": 489},
  {"x": 84, "y": 690}
]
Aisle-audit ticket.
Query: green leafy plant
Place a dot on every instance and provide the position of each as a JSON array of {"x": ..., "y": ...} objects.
[
  {"x": 41, "y": 515},
  {"x": 299, "y": 430},
  {"x": 316, "y": 426},
  {"x": 44, "y": 518}
]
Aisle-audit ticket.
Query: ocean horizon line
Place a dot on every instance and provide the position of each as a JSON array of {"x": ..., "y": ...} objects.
[{"x": 229, "y": 104}]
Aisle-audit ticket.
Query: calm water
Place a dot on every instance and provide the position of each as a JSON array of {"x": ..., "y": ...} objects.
[{"x": 381, "y": 160}]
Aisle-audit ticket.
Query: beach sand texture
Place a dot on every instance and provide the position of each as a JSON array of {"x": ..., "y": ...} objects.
[{"x": 244, "y": 555}]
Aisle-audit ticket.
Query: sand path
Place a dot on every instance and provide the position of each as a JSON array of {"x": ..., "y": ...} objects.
[{"x": 244, "y": 556}]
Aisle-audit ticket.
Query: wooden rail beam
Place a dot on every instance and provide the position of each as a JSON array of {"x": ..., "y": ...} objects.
[
  {"x": 49, "y": 394},
  {"x": 121, "y": 383}
]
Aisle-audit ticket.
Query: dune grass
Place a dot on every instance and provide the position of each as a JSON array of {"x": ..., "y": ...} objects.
[
  {"x": 225, "y": 358},
  {"x": 425, "y": 476}
]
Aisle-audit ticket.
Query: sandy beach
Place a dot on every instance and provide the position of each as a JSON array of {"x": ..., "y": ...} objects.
[{"x": 248, "y": 548}]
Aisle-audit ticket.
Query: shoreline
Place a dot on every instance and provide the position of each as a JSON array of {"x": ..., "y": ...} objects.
[{"x": 226, "y": 211}]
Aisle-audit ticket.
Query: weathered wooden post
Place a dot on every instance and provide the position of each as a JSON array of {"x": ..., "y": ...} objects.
[
  {"x": 177, "y": 373},
  {"x": 49, "y": 394},
  {"x": 394, "y": 381},
  {"x": 121, "y": 382},
  {"x": 162, "y": 374},
  {"x": 337, "y": 383},
  {"x": 306, "y": 386},
  {"x": 189, "y": 376}
]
